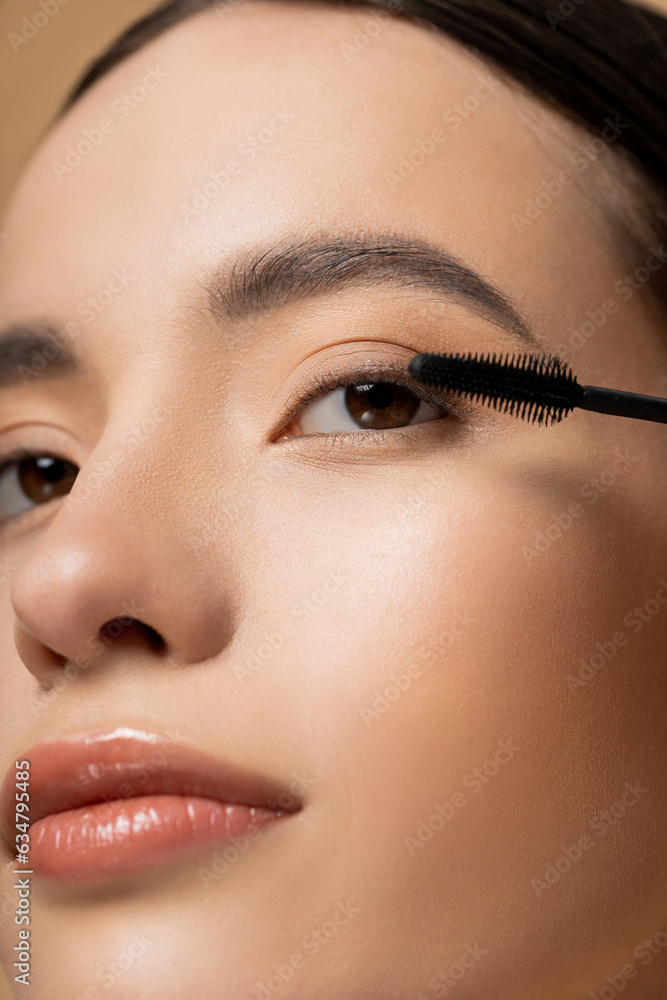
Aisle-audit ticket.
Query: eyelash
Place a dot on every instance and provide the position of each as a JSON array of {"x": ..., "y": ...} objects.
[
  {"x": 17, "y": 455},
  {"x": 313, "y": 387},
  {"x": 328, "y": 381}
]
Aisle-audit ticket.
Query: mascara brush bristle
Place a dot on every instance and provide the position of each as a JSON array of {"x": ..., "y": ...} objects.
[{"x": 538, "y": 388}]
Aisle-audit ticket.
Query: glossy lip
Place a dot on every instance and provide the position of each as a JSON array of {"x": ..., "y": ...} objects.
[{"x": 125, "y": 764}]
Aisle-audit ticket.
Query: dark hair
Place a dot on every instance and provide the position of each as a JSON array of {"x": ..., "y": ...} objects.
[{"x": 590, "y": 60}]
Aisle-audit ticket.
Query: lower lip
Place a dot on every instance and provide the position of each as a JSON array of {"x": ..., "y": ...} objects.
[{"x": 110, "y": 838}]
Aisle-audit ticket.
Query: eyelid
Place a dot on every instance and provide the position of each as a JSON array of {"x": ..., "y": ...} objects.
[
  {"x": 16, "y": 455},
  {"x": 356, "y": 373}
]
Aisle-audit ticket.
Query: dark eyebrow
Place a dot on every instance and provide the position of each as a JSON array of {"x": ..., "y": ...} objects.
[
  {"x": 266, "y": 279},
  {"x": 31, "y": 352}
]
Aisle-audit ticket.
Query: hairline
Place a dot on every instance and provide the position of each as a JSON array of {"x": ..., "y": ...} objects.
[{"x": 621, "y": 195}]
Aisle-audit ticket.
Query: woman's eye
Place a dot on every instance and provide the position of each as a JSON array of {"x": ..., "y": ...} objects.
[
  {"x": 370, "y": 406},
  {"x": 33, "y": 480}
]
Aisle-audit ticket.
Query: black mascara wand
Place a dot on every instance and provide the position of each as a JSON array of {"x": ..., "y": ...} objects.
[{"x": 539, "y": 388}]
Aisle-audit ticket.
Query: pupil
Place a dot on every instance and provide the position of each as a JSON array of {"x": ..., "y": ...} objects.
[
  {"x": 45, "y": 477},
  {"x": 52, "y": 469},
  {"x": 380, "y": 395},
  {"x": 380, "y": 405}
]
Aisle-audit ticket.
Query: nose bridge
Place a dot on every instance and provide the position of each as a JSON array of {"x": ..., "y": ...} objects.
[
  {"x": 122, "y": 455},
  {"x": 121, "y": 546}
]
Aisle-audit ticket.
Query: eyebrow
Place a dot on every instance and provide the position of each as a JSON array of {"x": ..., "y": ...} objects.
[
  {"x": 28, "y": 352},
  {"x": 264, "y": 279}
]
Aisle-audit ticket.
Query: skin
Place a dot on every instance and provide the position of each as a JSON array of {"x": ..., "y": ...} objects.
[{"x": 217, "y": 523}]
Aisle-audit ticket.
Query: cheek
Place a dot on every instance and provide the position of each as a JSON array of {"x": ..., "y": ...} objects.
[
  {"x": 486, "y": 699},
  {"x": 16, "y": 684}
]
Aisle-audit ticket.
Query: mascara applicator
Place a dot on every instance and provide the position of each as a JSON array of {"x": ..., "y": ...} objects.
[{"x": 538, "y": 388}]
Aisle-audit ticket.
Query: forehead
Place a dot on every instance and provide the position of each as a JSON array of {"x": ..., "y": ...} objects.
[{"x": 285, "y": 118}]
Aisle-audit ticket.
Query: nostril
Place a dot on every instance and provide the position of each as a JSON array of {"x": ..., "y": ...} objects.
[
  {"x": 38, "y": 658},
  {"x": 132, "y": 627}
]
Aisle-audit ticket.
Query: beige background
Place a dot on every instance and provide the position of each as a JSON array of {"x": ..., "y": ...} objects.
[{"x": 35, "y": 80}]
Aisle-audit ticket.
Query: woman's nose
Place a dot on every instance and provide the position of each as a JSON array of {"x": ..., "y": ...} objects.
[{"x": 116, "y": 575}]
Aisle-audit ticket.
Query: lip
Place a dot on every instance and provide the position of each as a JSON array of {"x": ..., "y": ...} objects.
[{"x": 109, "y": 803}]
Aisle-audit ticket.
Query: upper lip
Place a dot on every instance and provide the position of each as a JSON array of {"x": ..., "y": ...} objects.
[{"x": 92, "y": 768}]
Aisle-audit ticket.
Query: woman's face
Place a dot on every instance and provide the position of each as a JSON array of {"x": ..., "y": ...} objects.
[{"x": 443, "y": 641}]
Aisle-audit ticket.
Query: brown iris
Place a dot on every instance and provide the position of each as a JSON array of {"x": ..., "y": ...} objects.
[
  {"x": 380, "y": 405},
  {"x": 44, "y": 477}
]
